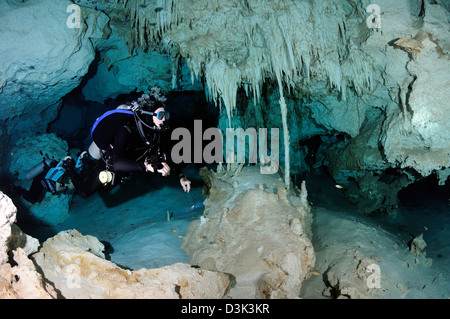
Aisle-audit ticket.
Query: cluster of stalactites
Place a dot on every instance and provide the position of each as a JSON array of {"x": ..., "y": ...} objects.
[
  {"x": 289, "y": 41},
  {"x": 150, "y": 19}
]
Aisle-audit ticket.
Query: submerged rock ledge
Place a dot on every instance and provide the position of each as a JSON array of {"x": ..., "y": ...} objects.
[{"x": 70, "y": 265}]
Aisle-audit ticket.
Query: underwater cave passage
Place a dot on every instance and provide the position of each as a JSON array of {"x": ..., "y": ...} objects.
[{"x": 424, "y": 207}]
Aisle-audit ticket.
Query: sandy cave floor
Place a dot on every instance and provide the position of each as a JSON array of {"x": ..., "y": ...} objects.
[
  {"x": 339, "y": 226},
  {"x": 132, "y": 223}
]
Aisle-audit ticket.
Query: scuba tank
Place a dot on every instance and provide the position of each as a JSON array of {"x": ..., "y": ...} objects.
[{"x": 39, "y": 168}]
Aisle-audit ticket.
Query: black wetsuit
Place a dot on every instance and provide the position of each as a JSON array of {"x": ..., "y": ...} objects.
[{"x": 125, "y": 154}]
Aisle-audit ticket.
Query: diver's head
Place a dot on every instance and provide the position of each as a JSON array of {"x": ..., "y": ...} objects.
[
  {"x": 152, "y": 110},
  {"x": 160, "y": 115}
]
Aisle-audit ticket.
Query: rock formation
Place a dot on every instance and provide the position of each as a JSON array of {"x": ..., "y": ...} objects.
[
  {"x": 76, "y": 266},
  {"x": 354, "y": 276},
  {"x": 71, "y": 265},
  {"x": 417, "y": 248},
  {"x": 43, "y": 59},
  {"x": 30, "y": 151},
  {"x": 18, "y": 275},
  {"x": 253, "y": 229}
]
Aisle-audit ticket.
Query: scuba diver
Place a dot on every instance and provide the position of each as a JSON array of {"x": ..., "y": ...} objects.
[
  {"x": 49, "y": 176},
  {"x": 125, "y": 140}
]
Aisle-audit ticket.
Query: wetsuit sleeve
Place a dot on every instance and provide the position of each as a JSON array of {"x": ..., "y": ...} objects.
[
  {"x": 121, "y": 163},
  {"x": 177, "y": 169}
]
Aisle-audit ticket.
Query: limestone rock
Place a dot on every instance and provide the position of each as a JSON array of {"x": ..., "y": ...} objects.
[
  {"x": 73, "y": 266},
  {"x": 11, "y": 236},
  {"x": 53, "y": 210},
  {"x": 42, "y": 58},
  {"x": 258, "y": 236},
  {"x": 250, "y": 43},
  {"x": 20, "y": 280},
  {"x": 409, "y": 45},
  {"x": 418, "y": 137},
  {"x": 122, "y": 72},
  {"x": 19, "y": 239},
  {"x": 23, "y": 281},
  {"x": 355, "y": 277},
  {"x": 7, "y": 218},
  {"x": 417, "y": 248},
  {"x": 76, "y": 265}
]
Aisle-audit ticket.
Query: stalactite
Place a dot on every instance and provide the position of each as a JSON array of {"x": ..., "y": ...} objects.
[
  {"x": 175, "y": 68},
  {"x": 223, "y": 82},
  {"x": 287, "y": 170}
]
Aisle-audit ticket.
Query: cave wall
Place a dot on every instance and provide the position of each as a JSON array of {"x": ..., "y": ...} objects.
[{"x": 42, "y": 60}]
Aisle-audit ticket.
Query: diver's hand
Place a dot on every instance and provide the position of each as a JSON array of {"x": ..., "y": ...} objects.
[
  {"x": 165, "y": 170},
  {"x": 186, "y": 184},
  {"x": 149, "y": 167}
]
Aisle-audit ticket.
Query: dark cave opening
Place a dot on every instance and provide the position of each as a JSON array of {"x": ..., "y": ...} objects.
[
  {"x": 425, "y": 190},
  {"x": 424, "y": 209}
]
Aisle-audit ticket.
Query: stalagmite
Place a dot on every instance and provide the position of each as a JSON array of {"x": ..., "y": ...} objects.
[{"x": 283, "y": 107}]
